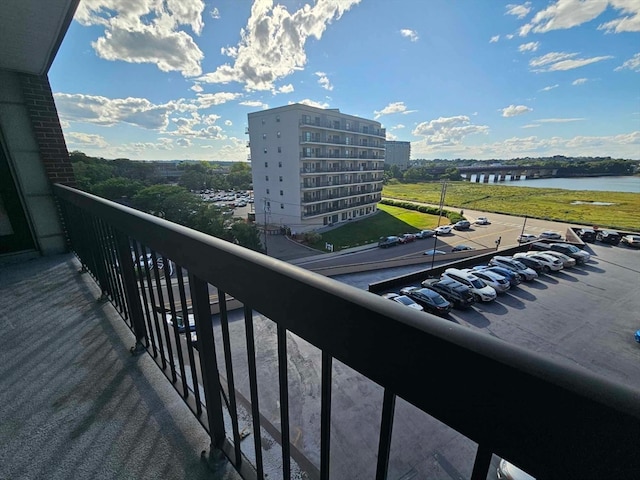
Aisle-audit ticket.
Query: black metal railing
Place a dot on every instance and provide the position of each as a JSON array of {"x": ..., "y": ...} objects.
[{"x": 558, "y": 421}]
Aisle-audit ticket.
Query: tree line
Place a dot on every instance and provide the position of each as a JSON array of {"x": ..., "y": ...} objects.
[{"x": 141, "y": 186}]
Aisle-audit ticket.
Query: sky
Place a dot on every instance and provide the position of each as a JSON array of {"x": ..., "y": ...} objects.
[{"x": 175, "y": 79}]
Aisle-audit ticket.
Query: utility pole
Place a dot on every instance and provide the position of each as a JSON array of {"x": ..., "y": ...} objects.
[
  {"x": 443, "y": 193},
  {"x": 523, "y": 225},
  {"x": 266, "y": 205}
]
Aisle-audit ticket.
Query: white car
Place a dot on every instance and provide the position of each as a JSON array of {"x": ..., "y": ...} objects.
[
  {"x": 566, "y": 260},
  {"x": 549, "y": 263},
  {"x": 514, "y": 265},
  {"x": 496, "y": 281},
  {"x": 527, "y": 237},
  {"x": 443, "y": 230},
  {"x": 483, "y": 221},
  {"x": 551, "y": 235},
  {"x": 481, "y": 291},
  {"x": 403, "y": 300}
]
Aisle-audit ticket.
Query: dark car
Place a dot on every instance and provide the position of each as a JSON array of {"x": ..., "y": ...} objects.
[
  {"x": 459, "y": 295},
  {"x": 182, "y": 328},
  {"x": 431, "y": 301},
  {"x": 587, "y": 234},
  {"x": 532, "y": 263},
  {"x": 572, "y": 251},
  {"x": 461, "y": 248},
  {"x": 608, "y": 236},
  {"x": 425, "y": 233},
  {"x": 462, "y": 225},
  {"x": 385, "y": 242}
]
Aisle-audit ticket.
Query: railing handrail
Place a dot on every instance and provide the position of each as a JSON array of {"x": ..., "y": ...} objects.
[{"x": 556, "y": 421}]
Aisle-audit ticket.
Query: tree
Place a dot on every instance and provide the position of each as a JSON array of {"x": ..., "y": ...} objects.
[
  {"x": 239, "y": 176},
  {"x": 170, "y": 202},
  {"x": 194, "y": 180},
  {"x": 246, "y": 235},
  {"x": 117, "y": 187}
]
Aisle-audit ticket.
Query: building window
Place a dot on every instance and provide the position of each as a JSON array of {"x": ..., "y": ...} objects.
[
  {"x": 263, "y": 121},
  {"x": 268, "y": 205},
  {"x": 282, "y": 205},
  {"x": 266, "y": 178},
  {"x": 266, "y": 164},
  {"x": 277, "y": 118},
  {"x": 280, "y": 177},
  {"x": 264, "y": 136},
  {"x": 280, "y": 164},
  {"x": 279, "y": 149},
  {"x": 265, "y": 150},
  {"x": 281, "y": 192},
  {"x": 278, "y": 134},
  {"x": 267, "y": 191}
]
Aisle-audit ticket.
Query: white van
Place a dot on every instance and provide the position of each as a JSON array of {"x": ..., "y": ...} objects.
[{"x": 480, "y": 290}]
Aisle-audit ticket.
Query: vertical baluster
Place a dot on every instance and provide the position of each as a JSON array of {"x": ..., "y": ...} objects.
[
  {"x": 284, "y": 402},
  {"x": 145, "y": 301},
  {"x": 386, "y": 430},
  {"x": 176, "y": 333},
  {"x": 165, "y": 326},
  {"x": 482, "y": 463},
  {"x": 253, "y": 387},
  {"x": 325, "y": 416},
  {"x": 192, "y": 361},
  {"x": 155, "y": 314}
]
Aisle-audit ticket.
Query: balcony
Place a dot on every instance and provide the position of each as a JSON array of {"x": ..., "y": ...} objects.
[
  {"x": 76, "y": 400},
  {"x": 324, "y": 124}
]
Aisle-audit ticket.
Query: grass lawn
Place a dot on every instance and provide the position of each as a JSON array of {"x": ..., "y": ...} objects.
[
  {"x": 388, "y": 221},
  {"x": 545, "y": 203}
]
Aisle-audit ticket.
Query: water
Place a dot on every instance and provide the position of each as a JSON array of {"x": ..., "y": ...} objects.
[{"x": 601, "y": 184}]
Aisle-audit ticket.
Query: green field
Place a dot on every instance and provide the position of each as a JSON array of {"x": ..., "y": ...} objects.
[
  {"x": 388, "y": 221},
  {"x": 545, "y": 203}
]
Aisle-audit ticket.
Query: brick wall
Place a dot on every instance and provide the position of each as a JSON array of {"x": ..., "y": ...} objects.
[{"x": 42, "y": 110}]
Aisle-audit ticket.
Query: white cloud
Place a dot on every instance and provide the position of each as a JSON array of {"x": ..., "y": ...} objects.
[
  {"x": 286, "y": 89},
  {"x": 323, "y": 80},
  {"x": 215, "y": 14},
  {"x": 579, "y": 81},
  {"x": 272, "y": 44},
  {"x": 559, "y": 61},
  {"x": 228, "y": 123},
  {"x": 564, "y": 14},
  {"x": 206, "y": 100},
  {"x": 549, "y": 87},
  {"x": 196, "y": 87},
  {"x": 494, "y": 39},
  {"x": 449, "y": 131},
  {"x": 254, "y": 103},
  {"x": 529, "y": 47},
  {"x": 183, "y": 142},
  {"x": 514, "y": 110},
  {"x": 397, "y": 127},
  {"x": 395, "y": 107},
  {"x": 632, "y": 64},
  {"x": 410, "y": 34},
  {"x": 519, "y": 11},
  {"x": 509, "y": 36},
  {"x": 559, "y": 120},
  {"x": 530, "y": 125},
  {"x": 79, "y": 139},
  {"x": 312, "y": 103},
  {"x": 147, "y": 31}
]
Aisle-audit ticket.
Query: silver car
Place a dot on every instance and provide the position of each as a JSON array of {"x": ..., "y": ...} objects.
[{"x": 514, "y": 265}]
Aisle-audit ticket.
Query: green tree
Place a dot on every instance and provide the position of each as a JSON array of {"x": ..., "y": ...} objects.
[
  {"x": 246, "y": 235},
  {"x": 194, "y": 180},
  {"x": 239, "y": 176},
  {"x": 117, "y": 187},
  {"x": 170, "y": 202}
]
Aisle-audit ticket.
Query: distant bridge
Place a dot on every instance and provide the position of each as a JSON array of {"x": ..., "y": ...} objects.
[{"x": 500, "y": 173}]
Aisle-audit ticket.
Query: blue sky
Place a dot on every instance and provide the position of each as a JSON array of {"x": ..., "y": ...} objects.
[{"x": 175, "y": 79}]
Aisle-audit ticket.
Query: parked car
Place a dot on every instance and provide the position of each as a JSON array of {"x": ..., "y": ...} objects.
[
  {"x": 514, "y": 278},
  {"x": 443, "y": 230},
  {"x": 572, "y": 251},
  {"x": 515, "y": 265},
  {"x": 403, "y": 300},
  {"x": 431, "y": 301},
  {"x": 182, "y": 328},
  {"x": 425, "y": 233},
  {"x": 508, "y": 471},
  {"x": 496, "y": 281},
  {"x": 631, "y": 240},
  {"x": 458, "y": 294},
  {"x": 550, "y": 235},
  {"x": 462, "y": 225},
  {"x": 461, "y": 248},
  {"x": 385, "y": 242},
  {"x": 406, "y": 238},
  {"x": 532, "y": 263},
  {"x": 548, "y": 262},
  {"x": 480, "y": 290},
  {"x": 567, "y": 261},
  {"x": 483, "y": 221},
  {"x": 527, "y": 237},
  {"x": 586, "y": 234},
  {"x": 608, "y": 236},
  {"x": 434, "y": 252}
]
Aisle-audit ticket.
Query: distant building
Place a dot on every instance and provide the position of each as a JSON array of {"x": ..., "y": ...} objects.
[
  {"x": 313, "y": 167},
  {"x": 398, "y": 153}
]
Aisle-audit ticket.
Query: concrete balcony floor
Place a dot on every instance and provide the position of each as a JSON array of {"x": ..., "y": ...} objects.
[{"x": 74, "y": 403}]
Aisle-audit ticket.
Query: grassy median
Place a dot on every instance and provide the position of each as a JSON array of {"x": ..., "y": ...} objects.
[{"x": 619, "y": 210}]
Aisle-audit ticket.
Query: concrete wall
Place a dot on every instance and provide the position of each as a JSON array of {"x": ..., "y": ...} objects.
[{"x": 36, "y": 151}]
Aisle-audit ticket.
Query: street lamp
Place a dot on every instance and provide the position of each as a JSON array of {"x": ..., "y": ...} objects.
[{"x": 443, "y": 192}]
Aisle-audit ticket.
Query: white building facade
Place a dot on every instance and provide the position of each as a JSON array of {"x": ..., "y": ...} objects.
[
  {"x": 398, "y": 153},
  {"x": 314, "y": 167}
]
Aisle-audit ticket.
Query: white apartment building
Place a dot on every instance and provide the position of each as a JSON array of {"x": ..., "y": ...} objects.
[
  {"x": 314, "y": 167},
  {"x": 397, "y": 153}
]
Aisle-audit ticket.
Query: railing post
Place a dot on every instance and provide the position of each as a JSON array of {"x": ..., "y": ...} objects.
[
  {"x": 128, "y": 273},
  {"x": 208, "y": 360}
]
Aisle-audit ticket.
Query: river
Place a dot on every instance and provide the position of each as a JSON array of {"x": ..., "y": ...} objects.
[{"x": 603, "y": 184}]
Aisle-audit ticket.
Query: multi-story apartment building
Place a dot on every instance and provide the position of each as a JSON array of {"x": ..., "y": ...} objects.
[
  {"x": 314, "y": 167},
  {"x": 397, "y": 153}
]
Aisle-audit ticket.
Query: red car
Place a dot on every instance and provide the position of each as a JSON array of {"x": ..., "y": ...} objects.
[{"x": 406, "y": 237}]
